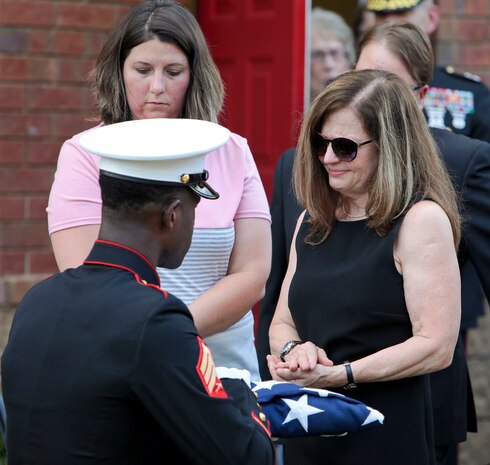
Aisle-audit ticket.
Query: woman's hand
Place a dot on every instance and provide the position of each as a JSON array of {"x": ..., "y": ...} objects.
[
  {"x": 305, "y": 357},
  {"x": 320, "y": 376},
  {"x": 300, "y": 361}
]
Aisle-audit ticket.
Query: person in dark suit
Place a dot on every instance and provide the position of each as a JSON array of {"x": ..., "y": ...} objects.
[
  {"x": 102, "y": 364},
  {"x": 459, "y": 101},
  {"x": 468, "y": 162}
]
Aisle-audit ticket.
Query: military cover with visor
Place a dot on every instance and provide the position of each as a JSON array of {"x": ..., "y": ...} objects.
[
  {"x": 391, "y": 6},
  {"x": 167, "y": 151}
]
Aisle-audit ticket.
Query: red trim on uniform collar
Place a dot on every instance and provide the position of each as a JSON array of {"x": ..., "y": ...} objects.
[
  {"x": 125, "y": 268},
  {"x": 122, "y": 246}
]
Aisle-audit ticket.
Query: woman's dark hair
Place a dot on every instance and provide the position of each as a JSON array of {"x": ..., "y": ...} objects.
[{"x": 167, "y": 21}]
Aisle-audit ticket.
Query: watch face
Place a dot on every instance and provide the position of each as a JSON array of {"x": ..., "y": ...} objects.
[{"x": 286, "y": 348}]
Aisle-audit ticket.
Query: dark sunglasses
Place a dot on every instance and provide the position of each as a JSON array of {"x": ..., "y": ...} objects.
[{"x": 344, "y": 149}]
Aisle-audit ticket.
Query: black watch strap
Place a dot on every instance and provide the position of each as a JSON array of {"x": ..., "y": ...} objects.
[
  {"x": 350, "y": 377},
  {"x": 286, "y": 348}
]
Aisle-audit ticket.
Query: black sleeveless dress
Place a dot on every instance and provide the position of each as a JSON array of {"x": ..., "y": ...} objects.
[{"x": 347, "y": 297}]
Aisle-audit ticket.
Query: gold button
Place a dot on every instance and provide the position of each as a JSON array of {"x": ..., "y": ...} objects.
[
  {"x": 144, "y": 281},
  {"x": 262, "y": 416},
  {"x": 185, "y": 178}
]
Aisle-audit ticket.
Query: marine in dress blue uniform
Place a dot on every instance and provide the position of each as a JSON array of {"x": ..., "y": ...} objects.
[{"x": 102, "y": 364}]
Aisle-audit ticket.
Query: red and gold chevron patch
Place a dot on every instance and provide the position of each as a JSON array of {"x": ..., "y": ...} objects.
[{"x": 207, "y": 372}]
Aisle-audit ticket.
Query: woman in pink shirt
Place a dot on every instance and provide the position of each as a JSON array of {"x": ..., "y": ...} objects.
[{"x": 156, "y": 64}]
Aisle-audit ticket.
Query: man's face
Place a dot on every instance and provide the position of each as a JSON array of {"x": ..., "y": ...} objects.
[{"x": 328, "y": 60}]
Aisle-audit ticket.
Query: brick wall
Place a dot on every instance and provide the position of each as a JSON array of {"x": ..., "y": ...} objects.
[
  {"x": 46, "y": 49},
  {"x": 463, "y": 37}
]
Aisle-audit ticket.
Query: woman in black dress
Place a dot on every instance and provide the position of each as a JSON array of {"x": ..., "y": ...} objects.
[{"x": 371, "y": 298}]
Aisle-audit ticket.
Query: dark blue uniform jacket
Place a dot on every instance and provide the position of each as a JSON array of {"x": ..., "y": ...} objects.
[{"x": 104, "y": 367}]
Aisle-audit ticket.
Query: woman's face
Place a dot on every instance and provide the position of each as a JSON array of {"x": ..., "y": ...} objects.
[
  {"x": 352, "y": 178},
  {"x": 156, "y": 77},
  {"x": 376, "y": 55}
]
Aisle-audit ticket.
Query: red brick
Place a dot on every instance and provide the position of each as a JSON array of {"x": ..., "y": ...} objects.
[
  {"x": 72, "y": 70},
  {"x": 27, "y": 69},
  {"x": 11, "y": 151},
  {"x": 14, "y": 68},
  {"x": 11, "y": 97},
  {"x": 95, "y": 41},
  {"x": 11, "y": 263},
  {"x": 87, "y": 16},
  {"x": 25, "y": 180},
  {"x": 42, "y": 69},
  {"x": 36, "y": 207},
  {"x": 42, "y": 262},
  {"x": 27, "y": 13},
  {"x": 68, "y": 125},
  {"x": 54, "y": 98},
  {"x": 33, "y": 234},
  {"x": 448, "y": 7},
  {"x": 39, "y": 152},
  {"x": 41, "y": 41},
  {"x": 475, "y": 55},
  {"x": 24, "y": 125},
  {"x": 11, "y": 208},
  {"x": 472, "y": 29},
  {"x": 70, "y": 42},
  {"x": 477, "y": 7}
]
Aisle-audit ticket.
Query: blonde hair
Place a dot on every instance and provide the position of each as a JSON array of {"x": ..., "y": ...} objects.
[{"x": 409, "y": 167}]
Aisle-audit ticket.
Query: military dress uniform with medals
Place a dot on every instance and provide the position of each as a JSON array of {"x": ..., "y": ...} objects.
[
  {"x": 460, "y": 102},
  {"x": 456, "y": 101}
]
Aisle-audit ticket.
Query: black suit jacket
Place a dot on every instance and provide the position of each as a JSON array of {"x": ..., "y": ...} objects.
[{"x": 468, "y": 162}]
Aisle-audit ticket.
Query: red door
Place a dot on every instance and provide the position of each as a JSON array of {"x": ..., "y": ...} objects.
[{"x": 259, "y": 47}]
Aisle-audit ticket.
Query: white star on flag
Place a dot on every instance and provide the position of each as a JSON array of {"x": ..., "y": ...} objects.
[
  {"x": 374, "y": 415},
  {"x": 300, "y": 410}
]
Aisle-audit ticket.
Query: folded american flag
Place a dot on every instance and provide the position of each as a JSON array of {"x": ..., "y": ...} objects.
[{"x": 295, "y": 411}]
